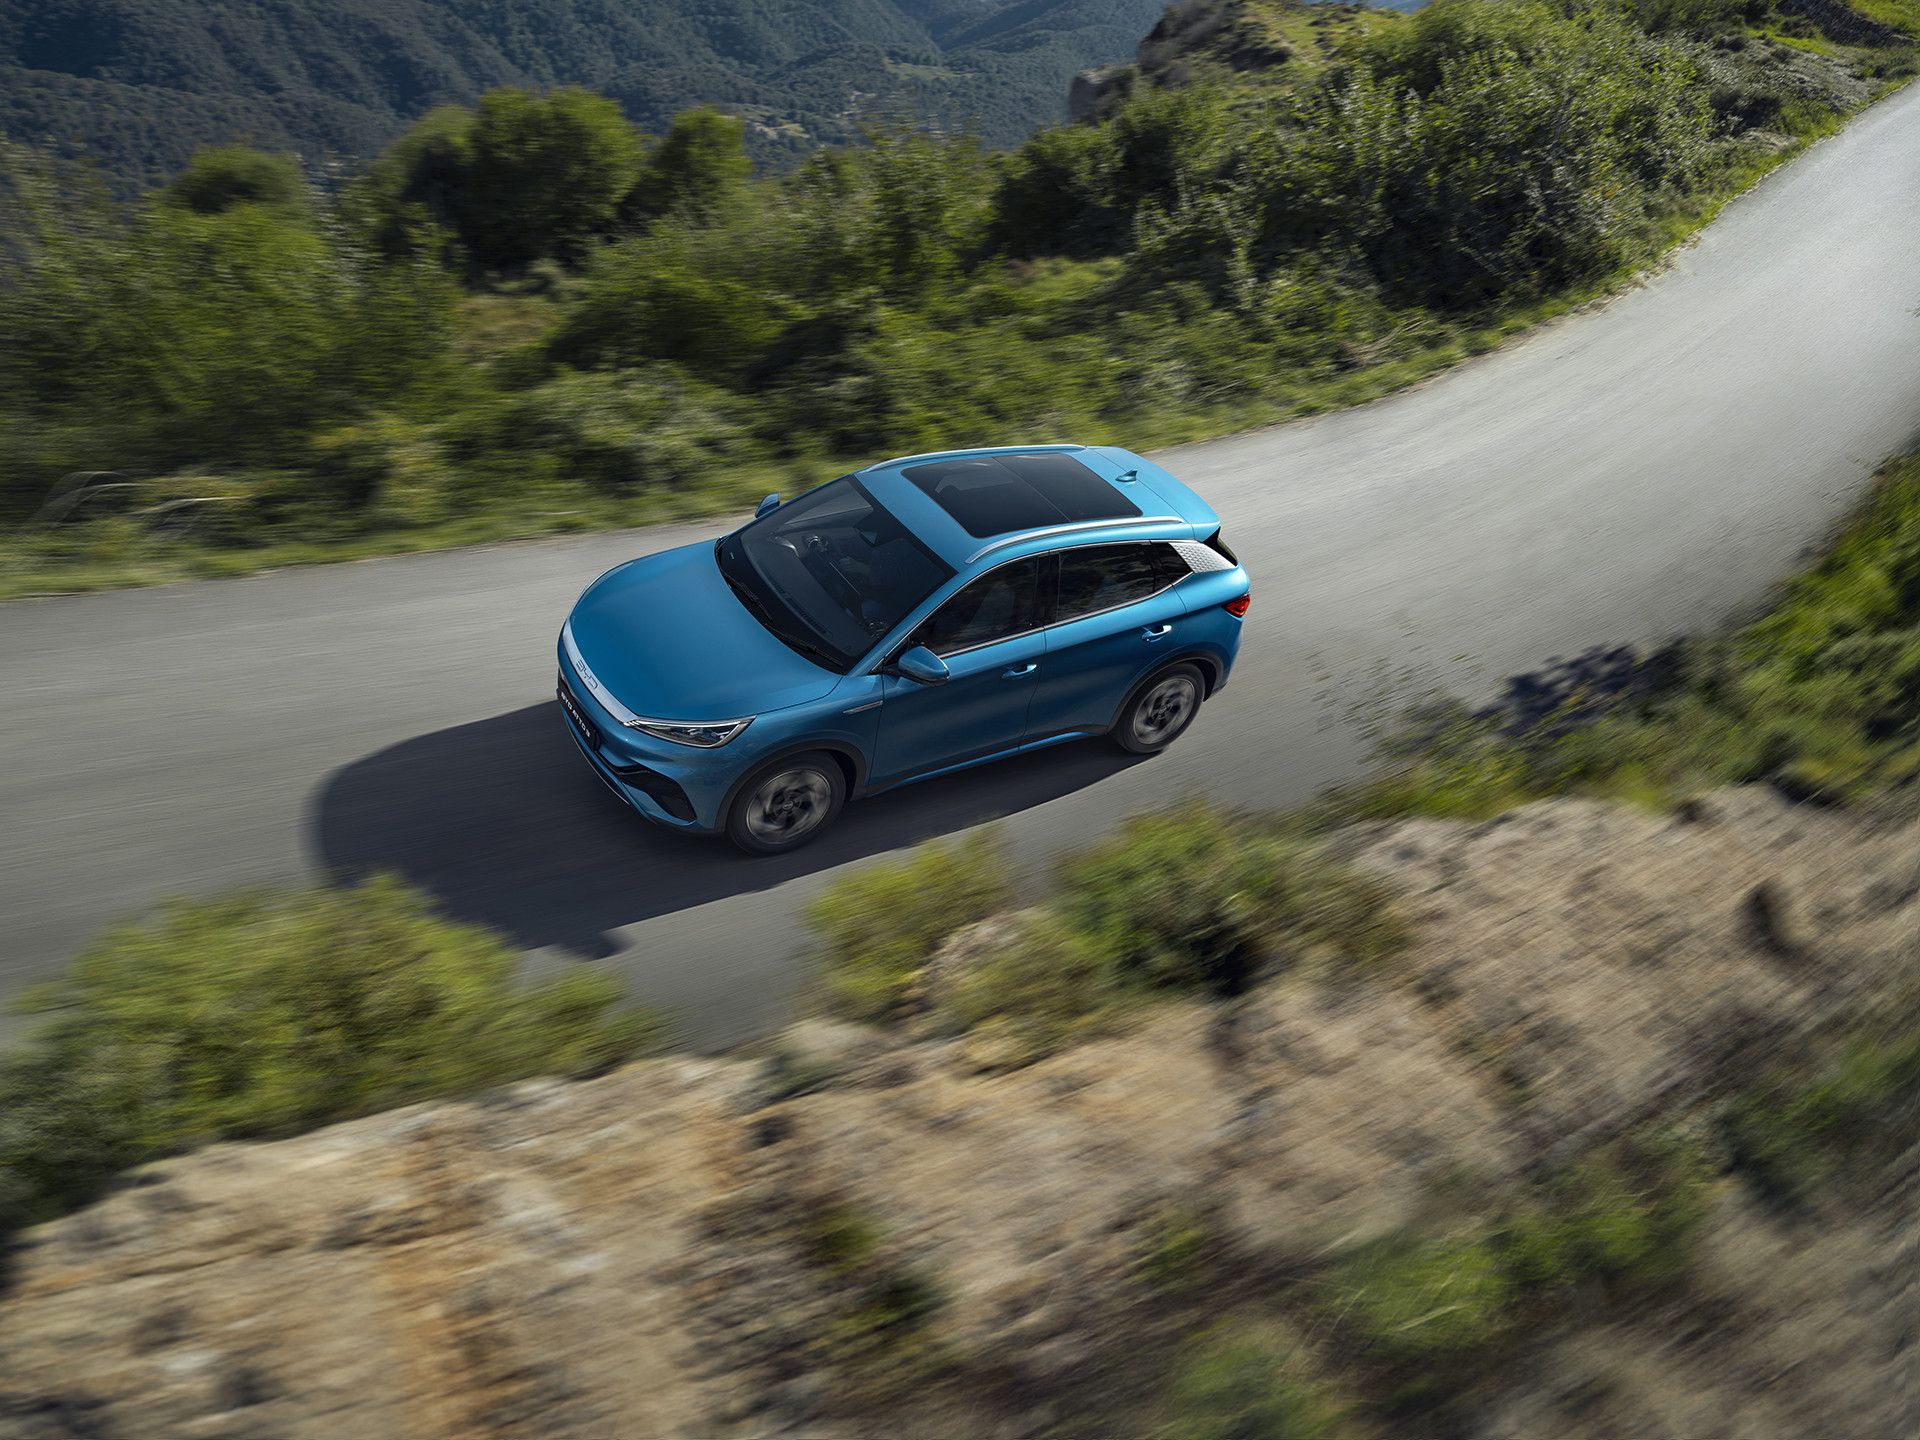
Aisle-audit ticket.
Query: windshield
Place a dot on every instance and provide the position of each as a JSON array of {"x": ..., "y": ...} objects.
[{"x": 829, "y": 573}]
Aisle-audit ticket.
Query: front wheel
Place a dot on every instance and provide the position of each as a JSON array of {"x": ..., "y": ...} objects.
[
  {"x": 1160, "y": 709},
  {"x": 785, "y": 805}
]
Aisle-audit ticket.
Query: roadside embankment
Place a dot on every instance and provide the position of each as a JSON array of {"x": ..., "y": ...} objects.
[{"x": 1612, "y": 1146}]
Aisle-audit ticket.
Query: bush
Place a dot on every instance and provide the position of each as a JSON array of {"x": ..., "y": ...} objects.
[
  {"x": 696, "y": 171},
  {"x": 1792, "y": 1139},
  {"x": 620, "y": 433},
  {"x": 1193, "y": 897},
  {"x": 881, "y": 924},
  {"x": 218, "y": 179},
  {"x": 1432, "y": 1307},
  {"x": 643, "y": 302},
  {"x": 1495, "y": 150},
  {"x": 1198, "y": 896},
  {"x": 1821, "y": 696},
  {"x": 1690, "y": 17},
  {"x": 518, "y": 178},
  {"x": 261, "y": 1015},
  {"x": 178, "y": 334},
  {"x": 1232, "y": 1385},
  {"x": 1624, "y": 1218},
  {"x": 1177, "y": 1248},
  {"x": 1045, "y": 989},
  {"x": 1421, "y": 1301}
]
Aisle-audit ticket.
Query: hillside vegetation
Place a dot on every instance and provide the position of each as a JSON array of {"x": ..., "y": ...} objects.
[
  {"x": 1819, "y": 698},
  {"x": 526, "y": 316},
  {"x": 139, "y": 84}
]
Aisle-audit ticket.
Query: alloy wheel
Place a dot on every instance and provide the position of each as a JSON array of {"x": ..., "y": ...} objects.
[
  {"x": 788, "y": 805},
  {"x": 1164, "y": 709}
]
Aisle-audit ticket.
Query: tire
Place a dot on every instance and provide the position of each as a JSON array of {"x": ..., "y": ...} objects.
[
  {"x": 787, "y": 804},
  {"x": 1160, "y": 709}
]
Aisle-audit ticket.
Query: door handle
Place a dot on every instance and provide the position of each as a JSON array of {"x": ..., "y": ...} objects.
[
  {"x": 1016, "y": 671},
  {"x": 1155, "y": 632}
]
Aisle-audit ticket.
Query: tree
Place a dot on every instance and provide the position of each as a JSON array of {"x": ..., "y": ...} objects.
[
  {"x": 218, "y": 179},
  {"x": 522, "y": 178},
  {"x": 694, "y": 171},
  {"x": 546, "y": 177},
  {"x": 168, "y": 335}
]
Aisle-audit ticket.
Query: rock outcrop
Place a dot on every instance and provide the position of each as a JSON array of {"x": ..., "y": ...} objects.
[{"x": 864, "y": 1237}]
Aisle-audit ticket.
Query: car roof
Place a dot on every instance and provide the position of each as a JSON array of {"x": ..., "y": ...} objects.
[{"x": 1166, "y": 509}]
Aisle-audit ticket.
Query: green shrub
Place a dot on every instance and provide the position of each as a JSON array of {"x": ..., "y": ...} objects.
[
  {"x": 218, "y": 179},
  {"x": 519, "y": 177},
  {"x": 1625, "y": 1217},
  {"x": 1044, "y": 989},
  {"x": 1431, "y": 1308},
  {"x": 698, "y": 170},
  {"x": 1188, "y": 898},
  {"x": 1176, "y": 1248},
  {"x": 1820, "y": 696},
  {"x": 1794, "y": 1140},
  {"x": 1232, "y": 1385},
  {"x": 640, "y": 305},
  {"x": 260, "y": 1015},
  {"x": 841, "y": 1238},
  {"x": 619, "y": 433},
  {"x": 890, "y": 1315},
  {"x": 879, "y": 925},
  {"x": 1421, "y": 1301},
  {"x": 1197, "y": 896},
  {"x": 174, "y": 335}
]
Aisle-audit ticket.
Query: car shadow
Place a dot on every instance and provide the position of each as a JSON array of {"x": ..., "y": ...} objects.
[{"x": 505, "y": 825}]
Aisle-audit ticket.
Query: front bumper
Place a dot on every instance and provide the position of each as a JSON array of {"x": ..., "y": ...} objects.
[
  {"x": 657, "y": 796},
  {"x": 655, "y": 790}
]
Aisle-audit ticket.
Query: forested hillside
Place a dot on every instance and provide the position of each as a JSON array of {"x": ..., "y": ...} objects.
[
  {"x": 140, "y": 84},
  {"x": 525, "y": 315}
]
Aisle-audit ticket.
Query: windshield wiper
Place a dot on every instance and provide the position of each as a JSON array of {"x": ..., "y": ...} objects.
[
  {"x": 804, "y": 648},
  {"x": 747, "y": 597},
  {"x": 754, "y": 603}
]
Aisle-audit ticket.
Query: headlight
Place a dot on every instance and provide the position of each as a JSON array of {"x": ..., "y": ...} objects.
[{"x": 704, "y": 733}]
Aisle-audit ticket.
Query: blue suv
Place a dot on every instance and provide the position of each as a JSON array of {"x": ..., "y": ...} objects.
[{"x": 915, "y": 617}]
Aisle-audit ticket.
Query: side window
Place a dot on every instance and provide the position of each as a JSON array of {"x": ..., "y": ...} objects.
[
  {"x": 1099, "y": 577},
  {"x": 998, "y": 604}
]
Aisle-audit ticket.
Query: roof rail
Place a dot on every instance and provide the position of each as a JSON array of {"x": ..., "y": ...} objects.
[
  {"x": 956, "y": 454},
  {"x": 1015, "y": 539}
]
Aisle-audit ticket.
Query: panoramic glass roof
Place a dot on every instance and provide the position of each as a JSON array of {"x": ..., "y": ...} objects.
[{"x": 999, "y": 494}]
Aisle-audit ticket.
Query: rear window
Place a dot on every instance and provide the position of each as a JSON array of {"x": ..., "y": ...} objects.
[
  {"x": 999, "y": 494},
  {"x": 1100, "y": 577}
]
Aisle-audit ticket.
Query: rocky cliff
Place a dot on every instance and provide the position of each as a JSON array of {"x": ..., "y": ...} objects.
[{"x": 860, "y": 1235}]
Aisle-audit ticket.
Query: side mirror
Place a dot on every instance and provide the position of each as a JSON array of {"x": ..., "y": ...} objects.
[
  {"x": 923, "y": 665},
  {"x": 772, "y": 502}
]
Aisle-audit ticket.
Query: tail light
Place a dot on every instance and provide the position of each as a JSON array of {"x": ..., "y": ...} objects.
[{"x": 1239, "y": 607}]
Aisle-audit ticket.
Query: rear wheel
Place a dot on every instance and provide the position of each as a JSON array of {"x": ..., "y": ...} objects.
[
  {"x": 788, "y": 803},
  {"x": 1160, "y": 710}
]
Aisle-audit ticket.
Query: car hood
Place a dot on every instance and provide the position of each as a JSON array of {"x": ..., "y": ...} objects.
[{"x": 671, "y": 641}]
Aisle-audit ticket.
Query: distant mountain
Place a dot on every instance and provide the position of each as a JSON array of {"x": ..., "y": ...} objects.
[{"x": 139, "y": 84}]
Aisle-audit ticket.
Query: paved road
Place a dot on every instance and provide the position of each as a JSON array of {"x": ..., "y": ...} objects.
[{"x": 1626, "y": 475}]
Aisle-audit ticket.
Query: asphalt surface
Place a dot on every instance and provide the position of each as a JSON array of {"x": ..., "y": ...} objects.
[{"x": 1628, "y": 475}]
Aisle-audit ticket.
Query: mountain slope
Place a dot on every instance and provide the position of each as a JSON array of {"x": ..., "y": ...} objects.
[{"x": 139, "y": 84}]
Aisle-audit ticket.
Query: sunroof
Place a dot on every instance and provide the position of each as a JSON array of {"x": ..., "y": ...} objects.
[{"x": 998, "y": 494}]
